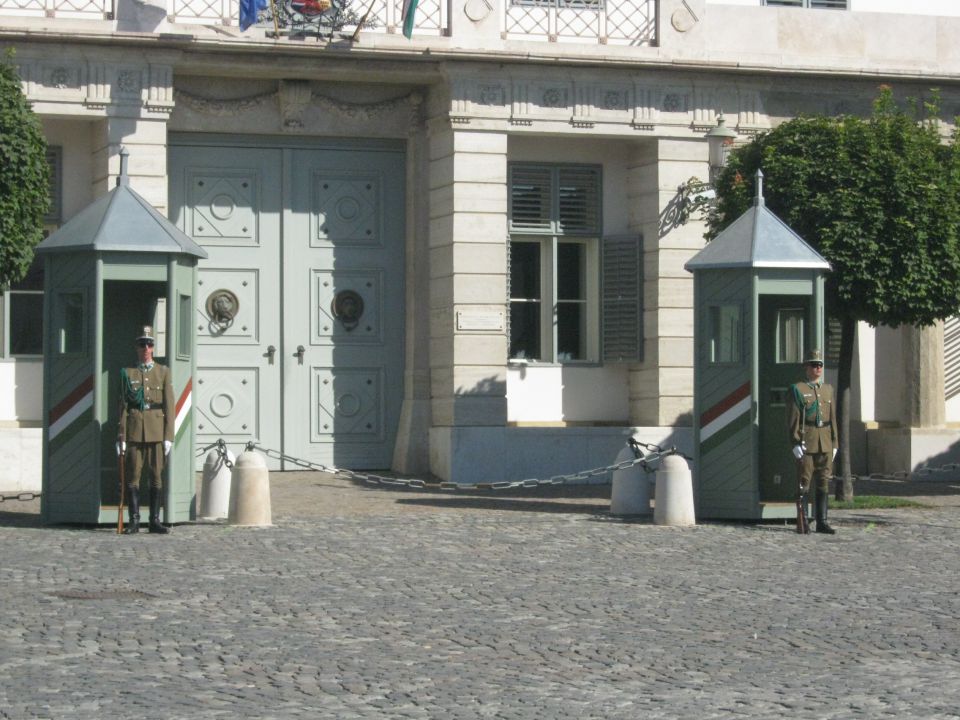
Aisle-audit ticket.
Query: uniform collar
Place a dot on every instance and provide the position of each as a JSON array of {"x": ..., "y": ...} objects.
[{"x": 145, "y": 366}]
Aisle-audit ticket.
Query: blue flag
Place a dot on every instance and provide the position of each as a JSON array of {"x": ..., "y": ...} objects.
[{"x": 249, "y": 9}]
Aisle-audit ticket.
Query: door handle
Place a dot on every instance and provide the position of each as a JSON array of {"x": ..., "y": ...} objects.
[
  {"x": 271, "y": 351},
  {"x": 299, "y": 354}
]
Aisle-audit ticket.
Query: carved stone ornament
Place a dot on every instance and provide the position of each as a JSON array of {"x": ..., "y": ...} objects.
[
  {"x": 221, "y": 108},
  {"x": 683, "y": 19},
  {"x": 295, "y": 97}
]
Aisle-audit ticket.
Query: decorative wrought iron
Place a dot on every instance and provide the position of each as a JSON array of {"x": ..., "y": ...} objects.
[
  {"x": 58, "y": 8},
  {"x": 616, "y": 22}
]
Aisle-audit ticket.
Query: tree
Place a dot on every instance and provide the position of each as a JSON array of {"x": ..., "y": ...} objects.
[
  {"x": 24, "y": 183},
  {"x": 879, "y": 198}
]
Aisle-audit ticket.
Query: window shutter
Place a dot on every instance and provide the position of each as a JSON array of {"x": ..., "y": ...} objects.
[
  {"x": 578, "y": 200},
  {"x": 622, "y": 298},
  {"x": 951, "y": 356},
  {"x": 530, "y": 198}
]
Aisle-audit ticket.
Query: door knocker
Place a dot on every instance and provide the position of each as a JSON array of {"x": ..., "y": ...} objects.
[
  {"x": 347, "y": 307},
  {"x": 222, "y": 307}
]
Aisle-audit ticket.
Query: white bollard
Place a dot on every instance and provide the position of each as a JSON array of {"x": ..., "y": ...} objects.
[
  {"x": 215, "y": 494},
  {"x": 250, "y": 491},
  {"x": 630, "y": 494},
  {"x": 674, "y": 505}
]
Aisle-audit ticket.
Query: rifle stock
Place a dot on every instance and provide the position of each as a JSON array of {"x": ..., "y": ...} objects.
[
  {"x": 803, "y": 524},
  {"x": 120, "y": 464}
]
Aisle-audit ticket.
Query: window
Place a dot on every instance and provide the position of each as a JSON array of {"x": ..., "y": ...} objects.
[
  {"x": 21, "y": 306},
  {"x": 790, "y": 329},
  {"x": 815, "y": 4},
  {"x": 554, "y": 263},
  {"x": 184, "y": 327},
  {"x": 725, "y": 333},
  {"x": 70, "y": 323}
]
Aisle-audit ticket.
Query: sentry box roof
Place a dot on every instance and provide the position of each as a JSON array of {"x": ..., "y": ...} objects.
[{"x": 757, "y": 239}]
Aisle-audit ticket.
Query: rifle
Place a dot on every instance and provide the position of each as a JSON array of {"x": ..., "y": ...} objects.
[
  {"x": 120, "y": 464},
  {"x": 803, "y": 523}
]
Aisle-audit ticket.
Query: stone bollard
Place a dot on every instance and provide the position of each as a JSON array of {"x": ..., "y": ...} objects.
[
  {"x": 674, "y": 505},
  {"x": 250, "y": 491},
  {"x": 215, "y": 495},
  {"x": 630, "y": 494}
]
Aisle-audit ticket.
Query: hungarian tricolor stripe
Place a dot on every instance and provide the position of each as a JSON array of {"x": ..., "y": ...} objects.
[
  {"x": 408, "y": 17},
  {"x": 724, "y": 418},
  {"x": 64, "y": 416},
  {"x": 183, "y": 407}
]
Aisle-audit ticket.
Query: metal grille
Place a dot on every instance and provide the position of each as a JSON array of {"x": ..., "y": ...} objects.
[
  {"x": 951, "y": 356},
  {"x": 102, "y": 9},
  {"x": 815, "y": 4},
  {"x": 618, "y": 22},
  {"x": 205, "y": 12}
]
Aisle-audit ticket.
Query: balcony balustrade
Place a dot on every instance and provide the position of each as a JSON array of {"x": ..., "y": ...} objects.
[
  {"x": 88, "y": 9},
  {"x": 606, "y": 22}
]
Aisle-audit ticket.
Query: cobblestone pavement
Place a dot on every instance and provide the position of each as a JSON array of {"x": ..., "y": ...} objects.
[{"x": 365, "y": 603}]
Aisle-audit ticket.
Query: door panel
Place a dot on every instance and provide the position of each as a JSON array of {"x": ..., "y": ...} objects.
[
  {"x": 228, "y": 200},
  {"x": 343, "y": 299},
  {"x": 784, "y": 329}
]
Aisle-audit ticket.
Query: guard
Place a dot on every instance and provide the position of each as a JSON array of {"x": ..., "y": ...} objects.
[
  {"x": 145, "y": 434},
  {"x": 811, "y": 421}
]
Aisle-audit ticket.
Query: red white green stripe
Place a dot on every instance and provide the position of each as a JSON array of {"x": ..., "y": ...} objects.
[
  {"x": 724, "y": 413},
  {"x": 74, "y": 406},
  {"x": 183, "y": 407}
]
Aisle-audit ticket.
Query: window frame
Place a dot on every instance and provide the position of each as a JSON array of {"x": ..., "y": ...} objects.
[
  {"x": 809, "y": 4},
  {"x": 549, "y": 236}
]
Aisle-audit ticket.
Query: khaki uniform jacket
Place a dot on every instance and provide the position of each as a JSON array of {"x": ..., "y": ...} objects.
[
  {"x": 804, "y": 430},
  {"x": 151, "y": 425}
]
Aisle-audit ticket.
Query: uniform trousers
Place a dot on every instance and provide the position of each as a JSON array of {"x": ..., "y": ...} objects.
[
  {"x": 815, "y": 466},
  {"x": 140, "y": 456}
]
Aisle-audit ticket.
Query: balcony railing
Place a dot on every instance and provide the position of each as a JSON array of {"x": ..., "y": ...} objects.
[
  {"x": 89, "y": 9},
  {"x": 609, "y": 22}
]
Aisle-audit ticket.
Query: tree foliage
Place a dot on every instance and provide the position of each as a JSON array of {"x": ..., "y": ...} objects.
[
  {"x": 879, "y": 198},
  {"x": 24, "y": 183}
]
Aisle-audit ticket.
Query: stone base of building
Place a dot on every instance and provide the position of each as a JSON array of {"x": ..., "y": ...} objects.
[
  {"x": 21, "y": 452},
  {"x": 468, "y": 455},
  {"x": 898, "y": 449}
]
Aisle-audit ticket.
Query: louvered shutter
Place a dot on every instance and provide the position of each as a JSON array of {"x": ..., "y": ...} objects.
[
  {"x": 530, "y": 198},
  {"x": 951, "y": 356},
  {"x": 622, "y": 298},
  {"x": 578, "y": 196}
]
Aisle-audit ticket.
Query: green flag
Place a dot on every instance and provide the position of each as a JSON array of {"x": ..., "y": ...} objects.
[{"x": 409, "y": 10}]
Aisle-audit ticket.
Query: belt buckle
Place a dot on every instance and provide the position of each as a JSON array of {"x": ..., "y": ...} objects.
[{"x": 819, "y": 423}]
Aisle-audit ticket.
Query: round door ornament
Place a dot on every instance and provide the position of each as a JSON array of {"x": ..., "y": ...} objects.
[
  {"x": 347, "y": 307},
  {"x": 222, "y": 307}
]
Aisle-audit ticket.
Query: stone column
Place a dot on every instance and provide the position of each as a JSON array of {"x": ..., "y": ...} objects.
[
  {"x": 661, "y": 387},
  {"x": 468, "y": 286},
  {"x": 925, "y": 397}
]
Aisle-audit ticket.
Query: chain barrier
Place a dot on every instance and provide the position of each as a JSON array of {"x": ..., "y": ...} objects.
[
  {"x": 645, "y": 461},
  {"x": 221, "y": 446},
  {"x": 22, "y": 497},
  {"x": 919, "y": 475}
]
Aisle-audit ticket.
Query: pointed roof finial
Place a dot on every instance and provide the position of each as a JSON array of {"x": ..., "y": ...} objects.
[
  {"x": 123, "y": 179},
  {"x": 758, "y": 198}
]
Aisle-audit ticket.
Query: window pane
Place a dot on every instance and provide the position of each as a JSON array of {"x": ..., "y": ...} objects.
[
  {"x": 525, "y": 330},
  {"x": 525, "y": 270},
  {"x": 790, "y": 335},
  {"x": 724, "y": 333},
  {"x": 184, "y": 327},
  {"x": 26, "y": 323},
  {"x": 571, "y": 331},
  {"x": 33, "y": 280},
  {"x": 71, "y": 323},
  {"x": 571, "y": 270}
]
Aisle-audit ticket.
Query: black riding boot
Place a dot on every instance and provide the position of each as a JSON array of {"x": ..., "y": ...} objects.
[
  {"x": 821, "y": 510},
  {"x": 133, "y": 508},
  {"x": 155, "y": 525}
]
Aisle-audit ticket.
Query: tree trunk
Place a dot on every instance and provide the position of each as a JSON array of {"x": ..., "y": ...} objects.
[{"x": 848, "y": 333}]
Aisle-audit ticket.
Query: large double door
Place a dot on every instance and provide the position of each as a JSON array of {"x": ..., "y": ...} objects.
[{"x": 299, "y": 320}]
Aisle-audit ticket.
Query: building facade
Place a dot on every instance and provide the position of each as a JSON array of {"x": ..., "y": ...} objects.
[{"x": 457, "y": 254}]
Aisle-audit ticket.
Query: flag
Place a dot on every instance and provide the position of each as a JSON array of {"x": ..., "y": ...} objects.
[
  {"x": 409, "y": 10},
  {"x": 249, "y": 9}
]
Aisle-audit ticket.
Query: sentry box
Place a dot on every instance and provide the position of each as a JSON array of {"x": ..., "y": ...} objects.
[
  {"x": 758, "y": 306},
  {"x": 116, "y": 266}
]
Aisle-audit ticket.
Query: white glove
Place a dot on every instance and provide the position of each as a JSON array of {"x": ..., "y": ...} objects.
[
  {"x": 834, "y": 454},
  {"x": 121, "y": 447},
  {"x": 798, "y": 451},
  {"x": 166, "y": 447}
]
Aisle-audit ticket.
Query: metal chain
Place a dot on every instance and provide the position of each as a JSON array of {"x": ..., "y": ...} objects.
[
  {"x": 645, "y": 462},
  {"x": 22, "y": 497},
  {"x": 904, "y": 475}
]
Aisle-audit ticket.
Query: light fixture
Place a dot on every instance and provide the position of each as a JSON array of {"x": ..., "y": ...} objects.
[{"x": 719, "y": 140}]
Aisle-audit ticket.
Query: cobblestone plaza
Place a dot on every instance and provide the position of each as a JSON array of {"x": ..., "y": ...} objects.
[{"x": 365, "y": 603}]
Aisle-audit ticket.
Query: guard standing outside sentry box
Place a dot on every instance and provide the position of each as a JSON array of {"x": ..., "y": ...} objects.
[
  {"x": 758, "y": 306},
  {"x": 114, "y": 267}
]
